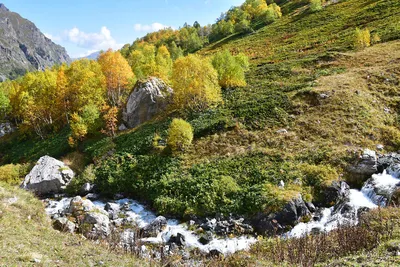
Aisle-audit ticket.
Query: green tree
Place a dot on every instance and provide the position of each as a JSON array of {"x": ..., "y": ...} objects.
[
  {"x": 180, "y": 135},
  {"x": 175, "y": 51},
  {"x": 195, "y": 83},
  {"x": 231, "y": 69},
  {"x": 5, "y": 106}
]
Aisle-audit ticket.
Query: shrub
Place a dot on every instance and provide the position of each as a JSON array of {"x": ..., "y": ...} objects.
[
  {"x": 318, "y": 175},
  {"x": 87, "y": 176},
  {"x": 231, "y": 69},
  {"x": 362, "y": 38},
  {"x": 315, "y": 5},
  {"x": 375, "y": 39},
  {"x": 180, "y": 135},
  {"x": 13, "y": 174}
]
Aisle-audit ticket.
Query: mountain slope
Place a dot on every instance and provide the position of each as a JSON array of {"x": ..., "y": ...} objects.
[{"x": 24, "y": 48}]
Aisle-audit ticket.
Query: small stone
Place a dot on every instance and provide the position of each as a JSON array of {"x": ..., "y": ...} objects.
[
  {"x": 324, "y": 96},
  {"x": 282, "y": 131},
  {"x": 379, "y": 147}
]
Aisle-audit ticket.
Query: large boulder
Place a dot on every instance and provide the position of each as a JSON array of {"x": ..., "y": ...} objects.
[
  {"x": 289, "y": 216},
  {"x": 146, "y": 100},
  {"x": 389, "y": 162},
  {"x": 365, "y": 166},
  {"x": 49, "y": 176},
  {"x": 96, "y": 225},
  {"x": 337, "y": 192}
]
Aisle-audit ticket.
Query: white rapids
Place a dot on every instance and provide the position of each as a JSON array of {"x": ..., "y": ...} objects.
[
  {"x": 372, "y": 195},
  {"x": 139, "y": 214}
]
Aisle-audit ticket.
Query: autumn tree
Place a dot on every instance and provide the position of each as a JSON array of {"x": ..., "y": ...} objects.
[
  {"x": 195, "y": 83},
  {"x": 362, "y": 38},
  {"x": 86, "y": 84},
  {"x": 110, "y": 118},
  {"x": 5, "y": 106},
  {"x": 231, "y": 69},
  {"x": 63, "y": 101},
  {"x": 118, "y": 74},
  {"x": 163, "y": 63}
]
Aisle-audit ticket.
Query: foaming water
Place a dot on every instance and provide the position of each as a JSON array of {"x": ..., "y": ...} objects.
[
  {"x": 373, "y": 194},
  {"x": 141, "y": 216}
]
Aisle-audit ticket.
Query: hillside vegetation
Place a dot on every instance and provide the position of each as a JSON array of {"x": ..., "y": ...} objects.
[
  {"x": 310, "y": 104},
  {"x": 313, "y": 97}
]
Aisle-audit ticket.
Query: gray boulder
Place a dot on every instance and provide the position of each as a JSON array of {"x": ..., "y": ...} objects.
[
  {"x": 365, "y": 166},
  {"x": 337, "y": 192},
  {"x": 96, "y": 225},
  {"x": 49, "y": 176},
  {"x": 64, "y": 225},
  {"x": 155, "y": 227},
  {"x": 6, "y": 127},
  {"x": 79, "y": 206},
  {"x": 276, "y": 223},
  {"x": 146, "y": 100}
]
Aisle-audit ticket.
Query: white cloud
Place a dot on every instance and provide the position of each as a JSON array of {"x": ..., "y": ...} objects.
[
  {"x": 92, "y": 41},
  {"x": 149, "y": 28},
  {"x": 53, "y": 38}
]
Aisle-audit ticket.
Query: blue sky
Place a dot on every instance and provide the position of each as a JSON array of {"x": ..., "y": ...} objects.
[{"x": 84, "y": 26}]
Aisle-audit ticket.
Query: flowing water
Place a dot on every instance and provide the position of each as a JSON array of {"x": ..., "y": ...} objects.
[
  {"x": 139, "y": 214},
  {"x": 372, "y": 195}
]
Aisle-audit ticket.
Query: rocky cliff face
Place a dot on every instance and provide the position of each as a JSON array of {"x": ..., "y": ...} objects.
[{"x": 24, "y": 48}]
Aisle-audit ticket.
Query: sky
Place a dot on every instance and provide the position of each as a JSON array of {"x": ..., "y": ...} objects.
[{"x": 86, "y": 26}]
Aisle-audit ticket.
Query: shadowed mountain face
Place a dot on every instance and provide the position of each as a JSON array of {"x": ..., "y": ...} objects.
[{"x": 24, "y": 48}]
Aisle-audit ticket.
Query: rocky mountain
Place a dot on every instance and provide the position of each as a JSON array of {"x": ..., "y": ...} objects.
[{"x": 24, "y": 48}]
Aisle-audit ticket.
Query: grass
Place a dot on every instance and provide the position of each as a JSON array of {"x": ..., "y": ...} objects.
[{"x": 26, "y": 235}]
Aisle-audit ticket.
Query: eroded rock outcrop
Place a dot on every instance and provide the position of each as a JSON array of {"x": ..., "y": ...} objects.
[
  {"x": 49, "y": 176},
  {"x": 147, "y": 99}
]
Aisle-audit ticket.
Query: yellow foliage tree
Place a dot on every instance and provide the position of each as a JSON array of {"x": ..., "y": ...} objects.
[
  {"x": 86, "y": 83},
  {"x": 118, "y": 74},
  {"x": 195, "y": 83},
  {"x": 362, "y": 38},
  {"x": 164, "y": 63}
]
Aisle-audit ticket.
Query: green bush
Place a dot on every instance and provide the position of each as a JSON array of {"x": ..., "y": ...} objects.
[
  {"x": 180, "y": 135},
  {"x": 318, "y": 175},
  {"x": 87, "y": 176},
  {"x": 315, "y": 5},
  {"x": 13, "y": 174},
  {"x": 231, "y": 69}
]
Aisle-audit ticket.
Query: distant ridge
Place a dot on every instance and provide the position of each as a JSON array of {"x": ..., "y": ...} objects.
[{"x": 23, "y": 47}]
